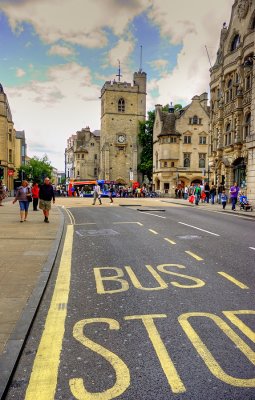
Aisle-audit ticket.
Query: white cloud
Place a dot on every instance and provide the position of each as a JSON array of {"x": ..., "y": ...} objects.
[
  {"x": 20, "y": 72},
  {"x": 62, "y": 51},
  {"x": 57, "y": 108},
  {"x": 193, "y": 25},
  {"x": 91, "y": 18},
  {"x": 159, "y": 64}
]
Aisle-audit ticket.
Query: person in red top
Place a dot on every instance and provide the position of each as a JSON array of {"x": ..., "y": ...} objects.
[{"x": 35, "y": 194}]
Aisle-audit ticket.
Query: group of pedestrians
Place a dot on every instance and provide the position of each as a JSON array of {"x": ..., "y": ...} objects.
[
  {"x": 206, "y": 193},
  {"x": 43, "y": 194}
]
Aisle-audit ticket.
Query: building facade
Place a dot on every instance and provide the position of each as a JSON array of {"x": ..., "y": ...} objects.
[
  {"x": 123, "y": 105},
  {"x": 232, "y": 85},
  {"x": 7, "y": 142},
  {"x": 180, "y": 145},
  {"x": 82, "y": 155}
]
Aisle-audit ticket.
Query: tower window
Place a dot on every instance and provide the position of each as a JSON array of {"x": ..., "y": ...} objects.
[{"x": 121, "y": 105}]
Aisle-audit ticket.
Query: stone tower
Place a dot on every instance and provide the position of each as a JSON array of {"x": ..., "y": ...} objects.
[{"x": 123, "y": 105}]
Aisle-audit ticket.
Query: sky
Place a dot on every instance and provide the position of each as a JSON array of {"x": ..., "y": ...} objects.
[{"x": 55, "y": 56}]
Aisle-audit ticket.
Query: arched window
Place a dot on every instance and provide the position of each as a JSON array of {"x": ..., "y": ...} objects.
[
  {"x": 186, "y": 160},
  {"x": 121, "y": 105},
  {"x": 247, "y": 125},
  {"x": 235, "y": 42},
  {"x": 156, "y": 160},
  {"x": 202, "y": 157},
  {"x": 248, "y": 82}
]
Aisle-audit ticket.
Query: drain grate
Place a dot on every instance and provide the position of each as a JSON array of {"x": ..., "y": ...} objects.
[{"x": 97, "y": 232}]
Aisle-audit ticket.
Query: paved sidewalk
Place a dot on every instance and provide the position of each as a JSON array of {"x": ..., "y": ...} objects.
[{"x": 28, "y": 251}]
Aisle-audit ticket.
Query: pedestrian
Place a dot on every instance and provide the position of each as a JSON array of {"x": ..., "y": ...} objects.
[
  {"x": 212, "y": 193},
  {"x": 97, "y": 194},
  {"x": 207, "y": 192},
  {"x": 224, "y": 199},
  {"x": 197, "y": 193},
  {"x": 46, "y": 194},
  {"x": 220, "y": 190},
  {"x": 2, "y": 192},
  {"x": 111, "y": 190},
  {"x": 234, "y": 195},
  {"x": 24, "y": 196},
  {"x": 35, "y": 194}
]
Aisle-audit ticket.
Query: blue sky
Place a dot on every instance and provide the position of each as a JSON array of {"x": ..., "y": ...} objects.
[{"x": 55, "y": 56}]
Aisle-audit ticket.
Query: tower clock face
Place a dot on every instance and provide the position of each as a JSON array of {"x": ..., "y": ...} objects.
[{"x": 121, "y": 138}]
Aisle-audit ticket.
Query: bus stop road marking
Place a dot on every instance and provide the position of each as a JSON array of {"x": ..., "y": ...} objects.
[
  {"x": 194, "y": 255},
  {"x": 152, "y": 231},
  {"x": 170, "y": 241}
]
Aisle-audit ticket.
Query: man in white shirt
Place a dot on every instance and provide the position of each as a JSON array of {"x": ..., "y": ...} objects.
[{"x": 97, "y": 194}]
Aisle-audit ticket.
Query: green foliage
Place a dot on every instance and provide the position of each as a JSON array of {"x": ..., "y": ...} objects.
[
  {"x": 36, "y": 169},
  {"x": 145, "y": 138}
]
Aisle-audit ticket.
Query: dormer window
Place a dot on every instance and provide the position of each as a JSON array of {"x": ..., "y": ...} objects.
[
  {"x": 195, "y": 120},
  {"x": 121, "y": 105},
  {"x": 235, "y": 42}
]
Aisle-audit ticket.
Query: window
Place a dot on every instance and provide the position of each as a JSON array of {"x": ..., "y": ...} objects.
[
  {"x": 248, "y": 82},
  {"x": 82, "y": 156},
  {"x": 229, "y": 91},
  {"x": 95, "y": 171},
  {"x": 95, "y": 156},
  {"x": 172, "y": 164},
  {"x": 228, "y": 135},
  {"x": 172, "y": 139},
  {"x": 202, "y": 139},
  {"x": 202, "y": 158},
  {"x": 156, "y": 160},
  {"x": 165, "y": 163},
  {"x": 92, "y": 144},
  {"x": 247, "y": 126},
  {"x": 187, "y": 139},
  {"x": 235, "y": 42},
  {"x": 78, "y": 155},
  {"x": 78, "y": 173},
  {"x": 186, "y": 160},
  {"x": 121, "y": 105},
  {"x": 10, "y": 156},
  {"x": 195, "y": 120}
]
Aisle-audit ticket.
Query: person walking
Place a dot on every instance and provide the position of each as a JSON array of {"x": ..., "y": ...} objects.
[
  {"x": 24, "y": 196},
  {"x": 212, "y": 193},
  {"x": 224, "y": 199},
  {"x": 2, "y": 192},
  {"x": 35, "y": 194},
  {"x": 207, "y": 192},
  {"x": 97, "y": 195},
  {"x": 46, "y": 194},
  {"x": 197, "y": 193},
  {"x": 234, "y": 195},
  {"x": 111, "y": 190}
]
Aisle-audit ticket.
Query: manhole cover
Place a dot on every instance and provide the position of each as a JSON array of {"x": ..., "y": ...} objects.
[
  {"x": 189, "y": 237},
  {"x": 97, "y": 232}
]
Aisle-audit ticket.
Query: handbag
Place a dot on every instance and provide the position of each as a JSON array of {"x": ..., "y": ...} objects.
[{"x": 29, "y": 197}]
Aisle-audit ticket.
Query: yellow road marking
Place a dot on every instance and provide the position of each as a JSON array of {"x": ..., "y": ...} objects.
[
  {"x": 233, "y": 280},
  {"x": 43, "y": 380},
  {"x": 152, "y": 231},
  {"x": 194, "y": 255},
  {"x": 167, "y": 364},
  {"x": 170, "y": 241}
]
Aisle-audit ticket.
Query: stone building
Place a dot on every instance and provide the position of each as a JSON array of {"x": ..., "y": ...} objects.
[
  {"x": 123, "y": 105},
  {"x": 7, "y": 142},
  {"x": 82, "y": 155},
  {"x": 180, "y": 145},
  {"x": 232, "y": 85}
]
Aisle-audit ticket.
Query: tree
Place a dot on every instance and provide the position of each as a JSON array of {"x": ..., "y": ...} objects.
[
  {"x": 36, "y": 169},
  {"x": 145, "y": 138}
]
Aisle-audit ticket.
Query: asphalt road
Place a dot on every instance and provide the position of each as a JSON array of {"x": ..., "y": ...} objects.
[{"x": 149, "y": 305}]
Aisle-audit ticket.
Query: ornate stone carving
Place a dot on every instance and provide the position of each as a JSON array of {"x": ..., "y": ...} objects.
[{"x": 242, "y": 8}]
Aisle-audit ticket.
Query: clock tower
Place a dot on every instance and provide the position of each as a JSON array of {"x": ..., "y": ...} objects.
[{"x": 123, "y": 105}]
